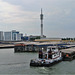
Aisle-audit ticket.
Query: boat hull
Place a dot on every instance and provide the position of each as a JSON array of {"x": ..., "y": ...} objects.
[{"x": 44, "y": 64}]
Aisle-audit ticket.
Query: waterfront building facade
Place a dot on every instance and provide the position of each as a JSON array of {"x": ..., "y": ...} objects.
[
  {"x": 1, "y": 35},
  {"x": 12, "y": 36},
  {"x": 7, "y": 36},
  {"x": 18, "y": 37}
]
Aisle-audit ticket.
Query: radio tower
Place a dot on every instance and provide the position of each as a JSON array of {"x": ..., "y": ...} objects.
[{"x": 41, "y": 17}]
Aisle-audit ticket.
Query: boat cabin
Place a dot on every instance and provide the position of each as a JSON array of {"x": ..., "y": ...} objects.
[{"x": 51, "y": 53}]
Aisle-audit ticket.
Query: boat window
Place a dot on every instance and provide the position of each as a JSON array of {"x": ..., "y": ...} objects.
[
  {"x": 49, "y": 49},
  {"x": 53, "y": 48},
  {"x": 54, "y": 55}
]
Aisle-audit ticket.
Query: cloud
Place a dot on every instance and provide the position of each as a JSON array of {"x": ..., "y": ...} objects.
[
  {"x": 14, "y": 14},
  {"x": 28, "y": 1},
  {"x": 58, "y": 13},
  {"x": 23, "y": 15}
]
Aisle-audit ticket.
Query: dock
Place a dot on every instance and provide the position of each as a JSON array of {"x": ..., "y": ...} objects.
[
  {"x": 3, "y": 46},
  {"x": 36, "y": 46}
]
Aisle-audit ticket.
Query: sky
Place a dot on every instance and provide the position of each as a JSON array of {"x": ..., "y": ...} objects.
[{"x": 24, "y": 16}]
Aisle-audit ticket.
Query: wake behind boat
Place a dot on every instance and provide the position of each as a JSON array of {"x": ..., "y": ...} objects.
[{"x": 48, "y": 58}]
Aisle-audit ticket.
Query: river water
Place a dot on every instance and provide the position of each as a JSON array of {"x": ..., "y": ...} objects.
[{"x": 18, "y": 64}]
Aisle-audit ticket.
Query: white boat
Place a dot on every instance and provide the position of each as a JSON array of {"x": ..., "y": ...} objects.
[{"x": 48, "y": 58}]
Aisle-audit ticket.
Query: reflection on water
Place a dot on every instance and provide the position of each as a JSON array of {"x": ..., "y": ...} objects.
[{"x": 18, "y": 63}]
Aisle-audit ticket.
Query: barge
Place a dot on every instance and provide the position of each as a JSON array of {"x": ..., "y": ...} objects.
[
  {"x": 68, "y": 54},
  {"x": 48, "y": 58}
]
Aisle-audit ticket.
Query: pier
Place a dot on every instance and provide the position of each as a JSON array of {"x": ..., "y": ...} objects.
[
  {"x": 34, "y": 46},
  {"x": 2, "y": 46}
]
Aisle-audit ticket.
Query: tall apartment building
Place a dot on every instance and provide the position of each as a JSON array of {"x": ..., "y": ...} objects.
[
  {"x": 7, "y": 36},
  {"x": 12, "y": 36},
  {"x": 18, "y": 36},
  {"x": 1, "y": 35}
]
